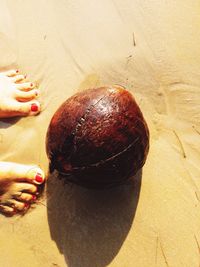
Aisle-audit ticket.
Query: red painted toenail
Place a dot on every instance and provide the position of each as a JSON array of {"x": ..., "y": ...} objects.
[
  {"x": 38, "y": 178},
  {"x": 17, "y": 71},
  {"x": 34, "y": 197},
  {"x": 31, "y": 84},
  {"x": 26, "y": 205},
  {"x": 34, "y": 107}
]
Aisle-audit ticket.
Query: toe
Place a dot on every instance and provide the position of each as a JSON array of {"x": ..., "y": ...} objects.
[
  {"x": 18, "y": 78},
  {"x": 25, "y": 188},
  {"x": 17, "y": 205},
  {"x": 7, "y": 210},
  {"x": 19, "y": 173},
  {"x": 10, "y": 73},
  {"x": 30, "y": 108},
  {"x": 26, "y": 96},
  {"x": 25, "y": 197},
  {"x": 25, "y": 86},
  {"x": 29, "y": 173}
]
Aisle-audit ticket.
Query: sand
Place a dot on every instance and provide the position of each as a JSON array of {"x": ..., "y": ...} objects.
[{"x": 150, "y": 47}]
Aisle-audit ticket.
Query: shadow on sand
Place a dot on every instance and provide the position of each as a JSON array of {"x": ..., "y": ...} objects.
[
  {"x": 8, "y": 122},
  {"x": 90, "y": 226}
]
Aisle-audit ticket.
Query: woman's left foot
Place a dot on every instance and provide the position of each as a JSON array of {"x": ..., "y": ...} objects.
[{"x": 19, "y": 187}]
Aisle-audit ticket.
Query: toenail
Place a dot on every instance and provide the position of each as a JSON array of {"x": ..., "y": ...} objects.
[
  {"x": 26, "y": 205},
  {"x": 31, "y": 84},
  {"x": 34, "y": 107},
  {"x": 13, "y": 212},
  {"x": 12, "y": 205},
  {"x": 39, "y": 178},
  {"x": 17, "y": 71},
  {"x": 34, "y": 197}
]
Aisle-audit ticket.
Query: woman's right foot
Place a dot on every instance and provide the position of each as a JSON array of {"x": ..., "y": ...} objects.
[{"x": 17, "y": 97}]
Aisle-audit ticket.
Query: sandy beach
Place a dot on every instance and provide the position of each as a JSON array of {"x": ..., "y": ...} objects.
[{"x": 151, "y": 48}]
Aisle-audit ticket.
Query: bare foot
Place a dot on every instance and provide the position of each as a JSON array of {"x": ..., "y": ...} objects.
[
  {"x": 17, "y": 97},
  {"x": 19, "y": 186}
]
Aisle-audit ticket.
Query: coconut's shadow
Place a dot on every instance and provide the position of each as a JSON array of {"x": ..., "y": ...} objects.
[{"x": 89, "y": 226}]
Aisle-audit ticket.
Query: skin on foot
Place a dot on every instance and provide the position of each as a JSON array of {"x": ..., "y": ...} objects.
[
  {"x": 19, "y": 187},
  {"x": 17, "y": 96}
]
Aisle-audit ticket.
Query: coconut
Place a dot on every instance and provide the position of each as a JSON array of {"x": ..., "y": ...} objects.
[{"x": 98, "y": 138}]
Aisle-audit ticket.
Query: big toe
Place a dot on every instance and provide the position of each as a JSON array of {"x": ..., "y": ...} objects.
[
  {"x": 36, "y": 176},
  {"x": 27, "y": 173},
  {"x": 29, "y": 108}
]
